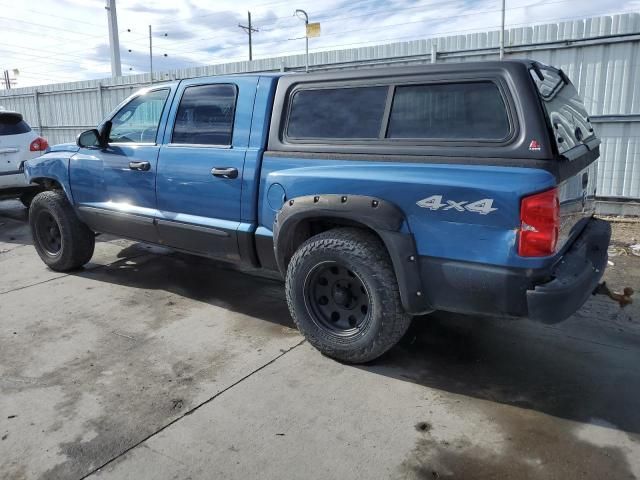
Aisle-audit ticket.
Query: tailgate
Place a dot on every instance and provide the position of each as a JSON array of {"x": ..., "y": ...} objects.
[{"x": 576, "y": 143}]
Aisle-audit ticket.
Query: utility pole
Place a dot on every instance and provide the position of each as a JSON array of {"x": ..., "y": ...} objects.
[
  {"x": 249, "y": 29},
  {"x": 306, "y": 35},
  {"x": 150, "y": 51},
  {"x": 114, "y": 42},
  {"x": 502, "y": 32},
  {"x": 150, "y": 55},
  {"x": 8, "y": 80}
]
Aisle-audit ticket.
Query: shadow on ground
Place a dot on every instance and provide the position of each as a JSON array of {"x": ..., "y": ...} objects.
[
  {"x": 199, "y": 279},
  {"x": 586, "y": 375},
  {"x": 583, "y": 370}
]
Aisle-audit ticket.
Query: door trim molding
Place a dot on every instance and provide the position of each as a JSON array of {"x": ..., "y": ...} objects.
[
  {"x": 130, "y": 217},
  {"x": 194, "y": 228}
]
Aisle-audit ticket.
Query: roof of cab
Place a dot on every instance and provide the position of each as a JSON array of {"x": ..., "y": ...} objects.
[
  {"x": 391, "y": 70},
  {"x": 383, "y": 71},
  {"x": 515, "y": 64}
]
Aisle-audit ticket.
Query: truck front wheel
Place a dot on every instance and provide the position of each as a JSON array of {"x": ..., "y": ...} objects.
[
  {"x": 343, "y": 295},
  {"x": 62, "y": 241}
]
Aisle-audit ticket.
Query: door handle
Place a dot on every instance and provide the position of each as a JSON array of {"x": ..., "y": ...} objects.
[
  {"x": 141, "y": 166},
  {"x": 585, "y": 179},
  {"x": 224, "y": 172}
]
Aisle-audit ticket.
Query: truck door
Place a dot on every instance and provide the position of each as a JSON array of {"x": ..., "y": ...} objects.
[
  {"x": 114, "y": 187},
  {"x": 200, "y": 166}
]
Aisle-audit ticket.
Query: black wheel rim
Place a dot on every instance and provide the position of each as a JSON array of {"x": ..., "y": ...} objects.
[
  {"x": 337, "y": 299},
  {"x": 48, "y": 233}
]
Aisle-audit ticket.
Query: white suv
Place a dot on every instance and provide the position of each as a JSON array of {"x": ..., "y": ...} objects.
[{"x": 17, "y": 144}]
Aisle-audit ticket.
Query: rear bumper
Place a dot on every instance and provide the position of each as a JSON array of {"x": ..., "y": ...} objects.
[
  {"x": 575, "y": 277},
  {"x": 546, "y": 295}
]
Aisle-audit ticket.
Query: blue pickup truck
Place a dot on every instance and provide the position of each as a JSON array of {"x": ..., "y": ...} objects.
[{"x": 378, "y": 194}]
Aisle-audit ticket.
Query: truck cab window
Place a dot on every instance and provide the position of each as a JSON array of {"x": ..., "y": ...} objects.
[
  {"x": 205, "y": 115},
  {"x": 337, "y": 113},
  {"x": 453, "y": 111},
  {"x": 138, "y": 120}
]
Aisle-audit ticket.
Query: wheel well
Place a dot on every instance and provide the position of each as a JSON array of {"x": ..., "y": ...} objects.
[
  {"x": 399, "y": 246},
  {"x": 310, "y": 227},
  {"x": 48, "y": 183}
]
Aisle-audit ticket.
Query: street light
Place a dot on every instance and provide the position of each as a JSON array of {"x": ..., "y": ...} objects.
[{"x": 306, "y": 35}]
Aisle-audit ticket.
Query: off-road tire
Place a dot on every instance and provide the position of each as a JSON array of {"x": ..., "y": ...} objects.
[
  {"x": 77, "y": 241},
  {"x": 363, "y": 254}
]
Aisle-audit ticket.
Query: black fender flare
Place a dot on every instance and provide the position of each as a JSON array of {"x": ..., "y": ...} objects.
[{"x": 381, "y": 216}]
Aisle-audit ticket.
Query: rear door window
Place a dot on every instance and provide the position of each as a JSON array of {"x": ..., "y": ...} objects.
[
  {"x": 564, "y": 107},
  {"x": 12, "y": 125},
  {"x": 452, "y": 111},
  {"x": 337, "y": 113},
  {"x": 205, "y": 115}
]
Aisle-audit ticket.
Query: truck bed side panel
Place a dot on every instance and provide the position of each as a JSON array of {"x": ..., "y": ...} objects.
[{"x": 469, "y": 213}]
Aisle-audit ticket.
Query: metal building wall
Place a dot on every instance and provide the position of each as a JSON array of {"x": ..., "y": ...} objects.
[{"x": 601, "y": 55}]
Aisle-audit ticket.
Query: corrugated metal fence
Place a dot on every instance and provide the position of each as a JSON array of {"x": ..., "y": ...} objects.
[{"x": 601, "y": 55}]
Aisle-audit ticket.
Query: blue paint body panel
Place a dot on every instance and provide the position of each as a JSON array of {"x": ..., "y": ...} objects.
[
  {"x": 179, "y": 202},
  {"x": 50, "y": 166},
  {"x": 179, "y": 186},
  {"x": 449, "y": 234}
]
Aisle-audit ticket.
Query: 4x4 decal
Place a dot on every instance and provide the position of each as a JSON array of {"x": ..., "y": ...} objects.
[{"x": 434, "y": 202}]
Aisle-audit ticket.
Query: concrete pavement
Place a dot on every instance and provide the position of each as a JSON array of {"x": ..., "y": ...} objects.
[{"x": 151, "y": 364}]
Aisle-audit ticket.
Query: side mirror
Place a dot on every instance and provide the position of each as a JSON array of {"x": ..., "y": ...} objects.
[{"x": 89, "y": 138}]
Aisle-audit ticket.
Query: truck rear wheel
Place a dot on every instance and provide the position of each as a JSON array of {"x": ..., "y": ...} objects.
[
  {"x": 62, "y": 241},
  {"x": 343, "y": 295}
]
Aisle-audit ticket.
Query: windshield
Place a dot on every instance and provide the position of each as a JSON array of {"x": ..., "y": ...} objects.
[{"x": 564, "y": 107}]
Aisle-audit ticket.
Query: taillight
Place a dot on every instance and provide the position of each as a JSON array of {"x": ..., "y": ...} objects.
[
  {"x": 539, "y": 224},
  {"x": 39, "y": 145}
]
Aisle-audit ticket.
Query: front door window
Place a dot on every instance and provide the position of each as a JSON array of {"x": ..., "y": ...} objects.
[{"x": 138, "y": 120}]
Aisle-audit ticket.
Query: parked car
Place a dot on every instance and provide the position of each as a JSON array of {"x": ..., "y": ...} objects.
[
  {"x": 378, "y": 194},
  {"x": 18, "y": 143}
]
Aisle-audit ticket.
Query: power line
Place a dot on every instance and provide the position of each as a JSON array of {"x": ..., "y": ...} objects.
[
  {"x": 374, "y": 13},
  {"x": 69, "y": 19},
  {"x": 48, "y": 27},
  {"x": 341, "y": 32},
  {"x": 184, "y": 42},
  {"x": 51, "y": 15},
  {"x": 331, "y": 18},
  {"x": 439, "y": 34},
  {"x": 291, "y": 17}
]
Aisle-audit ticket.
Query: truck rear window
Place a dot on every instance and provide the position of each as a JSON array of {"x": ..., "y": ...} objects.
[
  {"x": 452, "y": 111},
  {"x": 12, "y": 125},
  {"x": 339, "y": 113},
  {"x": 564, "y": 107}
]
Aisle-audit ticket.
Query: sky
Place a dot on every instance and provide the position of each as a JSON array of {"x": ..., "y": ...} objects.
[{"x": 53, "y": 41}]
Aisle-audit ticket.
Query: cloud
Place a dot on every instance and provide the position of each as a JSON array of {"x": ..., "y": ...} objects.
[
  {"x": 214, "y": 19},
  {"x": 144, "y": 8},
  {"x": 137, "y": 61},
  {"x": 73, "y": 44},
  {"x": 174, "y": 33}
]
